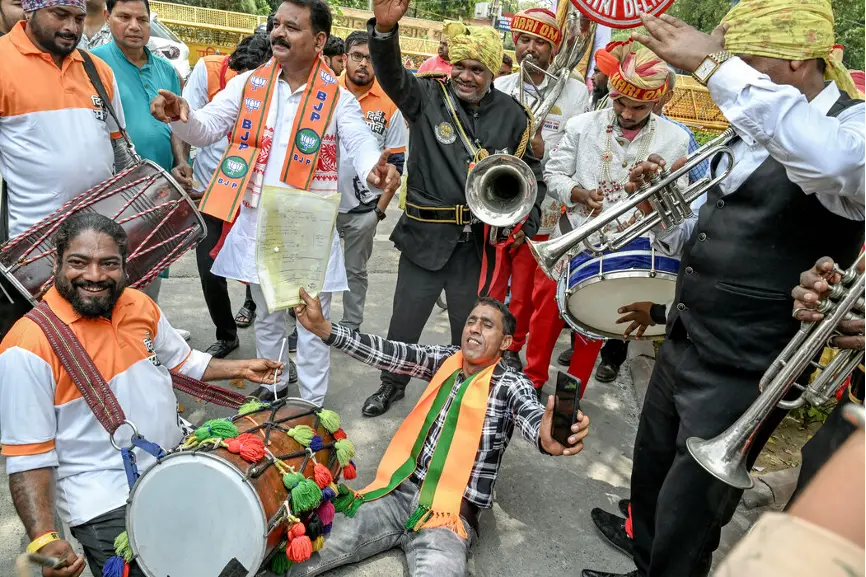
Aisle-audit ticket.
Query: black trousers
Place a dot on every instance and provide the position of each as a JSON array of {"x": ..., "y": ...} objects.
[
  {"x": 418, "y": 289},
  {"x": 97, "y": 537},
  {"x": 678, "y": 509},
  {"x": 614, "y": 352},
  {"x": 215, "y": 288}
]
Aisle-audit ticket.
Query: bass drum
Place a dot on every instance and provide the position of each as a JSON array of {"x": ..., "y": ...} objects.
[
  {"x": 592, "y": 288},
  {"x": 160, "y": 220}
]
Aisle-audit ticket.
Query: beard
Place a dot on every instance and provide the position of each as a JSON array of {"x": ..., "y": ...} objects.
[
  {"x": 90, "y": 307},
  {"x": 47, "y": 39},
  {"x": 362, "y": 80}
]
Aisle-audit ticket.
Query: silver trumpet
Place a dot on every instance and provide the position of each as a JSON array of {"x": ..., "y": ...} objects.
[
  {"x": 724, "y": 456},
  {"x": 671, "y": 206}
]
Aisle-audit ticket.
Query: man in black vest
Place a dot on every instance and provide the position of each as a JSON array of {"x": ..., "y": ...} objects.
[
  {"x": 794, "y": 194},
  {"x": 439, "y": 239}
]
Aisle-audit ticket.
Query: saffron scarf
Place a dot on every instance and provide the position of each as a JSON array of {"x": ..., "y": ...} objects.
[
  {"x": 453, "y": 458},
  {"x": 243, "y": 164}
]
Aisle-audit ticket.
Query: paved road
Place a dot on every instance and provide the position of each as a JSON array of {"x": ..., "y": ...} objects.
[{"x": 540, "y": 524}]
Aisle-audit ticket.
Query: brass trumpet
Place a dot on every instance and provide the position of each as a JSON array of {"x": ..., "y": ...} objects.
[
  {"x": 671, "y": 206},
  {"x": 724, "y": 456}
]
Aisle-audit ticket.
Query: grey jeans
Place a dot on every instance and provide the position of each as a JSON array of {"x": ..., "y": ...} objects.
[
  {"x": 379, "y": 526},
  {"x": 358, "y": 230}
]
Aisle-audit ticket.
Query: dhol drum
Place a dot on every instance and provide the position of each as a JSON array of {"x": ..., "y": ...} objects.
[
  {"x": 160, "y": 220},
  {"x": 226, "y": 506},
  {"x": 592, "y": 288}
]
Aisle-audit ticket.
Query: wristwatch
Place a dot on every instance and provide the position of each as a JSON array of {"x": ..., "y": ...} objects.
[
  {"x": 709, "y": 66},
  {"x": 379, "y": 214}
]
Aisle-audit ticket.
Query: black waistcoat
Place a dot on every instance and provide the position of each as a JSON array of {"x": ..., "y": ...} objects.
[{"x": 744, "y": 256}]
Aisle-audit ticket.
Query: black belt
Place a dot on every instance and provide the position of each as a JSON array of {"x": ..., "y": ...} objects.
[{"x": 458, "y": 214}]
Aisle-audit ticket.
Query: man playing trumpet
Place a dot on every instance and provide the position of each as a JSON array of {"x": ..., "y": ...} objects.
[{"x": 795, "y": 193}]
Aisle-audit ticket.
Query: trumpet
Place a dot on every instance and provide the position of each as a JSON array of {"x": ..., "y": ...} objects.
[
  {"x": 724, "y": 456},
  {"x": 500, "y": 192},
  {"x": 671, "y": 206}
]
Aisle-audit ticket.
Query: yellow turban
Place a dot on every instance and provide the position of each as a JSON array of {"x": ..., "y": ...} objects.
[
  {"x": 481, "y": 43},
  {"x": 789, "y": 30}
]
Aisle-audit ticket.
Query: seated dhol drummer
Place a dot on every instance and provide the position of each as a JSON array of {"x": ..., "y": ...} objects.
[
  {"x": 440, "y": 468},
  {"x": 57, "y": 452}
]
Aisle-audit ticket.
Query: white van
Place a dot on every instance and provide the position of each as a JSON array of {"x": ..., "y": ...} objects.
[{"x": 169, "y": 46}]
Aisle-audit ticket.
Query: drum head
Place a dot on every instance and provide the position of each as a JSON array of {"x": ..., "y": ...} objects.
[
  {"x": 595, "y": 301},
  {"x": 195, "y": 514}
]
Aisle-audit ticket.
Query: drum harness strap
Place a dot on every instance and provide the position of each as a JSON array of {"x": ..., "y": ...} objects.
[{"x": 98, "y": 394}]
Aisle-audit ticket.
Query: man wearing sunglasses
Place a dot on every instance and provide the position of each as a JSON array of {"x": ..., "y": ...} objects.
[{"x": 362, "y": 206}]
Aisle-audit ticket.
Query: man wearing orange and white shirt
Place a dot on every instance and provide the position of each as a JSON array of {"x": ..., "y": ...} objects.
[
  {"x": 57, "y": 452},
  {"x": 363, "y": 206},
  {"x": 56, "y": 136}
]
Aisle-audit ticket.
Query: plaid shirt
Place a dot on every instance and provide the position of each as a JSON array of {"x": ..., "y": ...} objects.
[{"x": 512, "y": 401}]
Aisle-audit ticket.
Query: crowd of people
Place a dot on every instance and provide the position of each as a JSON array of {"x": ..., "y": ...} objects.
[{"x": 794, "y": 195}]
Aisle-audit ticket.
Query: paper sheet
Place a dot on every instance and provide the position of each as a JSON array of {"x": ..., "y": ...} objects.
[{"x": 293, "y": 243}]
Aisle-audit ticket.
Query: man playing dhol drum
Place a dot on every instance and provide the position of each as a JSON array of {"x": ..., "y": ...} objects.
[
  {"x": 285, "y": 118},
  {"x": 441, "y": 466},
  {"x": 57, "y": 452},
  {"x": 587, "y": 171}
]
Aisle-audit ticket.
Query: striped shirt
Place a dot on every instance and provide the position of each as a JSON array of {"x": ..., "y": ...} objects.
[{"x": 512, "y": 401}]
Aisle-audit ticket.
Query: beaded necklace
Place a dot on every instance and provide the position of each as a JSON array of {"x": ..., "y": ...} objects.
[{"x": 607, "y": 185}]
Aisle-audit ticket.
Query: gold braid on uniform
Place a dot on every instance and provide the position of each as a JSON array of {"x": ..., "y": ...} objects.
[
  {"x": 434, "y": 75},
  {"x": 527, "y": 134}
]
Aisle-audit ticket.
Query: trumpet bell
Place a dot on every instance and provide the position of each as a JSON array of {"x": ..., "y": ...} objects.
[
  {"x": 719, "y": 458},
  {"x": 501, "y": 190}
]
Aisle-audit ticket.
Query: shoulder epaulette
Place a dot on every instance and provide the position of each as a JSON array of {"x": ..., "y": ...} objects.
[{"x": 433, "y": 75}]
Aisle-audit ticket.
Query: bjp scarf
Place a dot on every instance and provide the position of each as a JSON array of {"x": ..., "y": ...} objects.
[
  {"x": 453, "y": 458},
  {"x": 789, "y": 30},
  {"x": 243, "y": 164},
  {"x": 479, "y": 43},
  {"x": 633, "y": 71}
]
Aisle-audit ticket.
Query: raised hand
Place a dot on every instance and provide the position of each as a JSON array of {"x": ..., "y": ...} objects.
[
  {"x": 679, "y": 44},
  {"x": 311, "y": 317},
  {"x": 575, "y": 442},
  {"x": 388, "y": 13},
  {"x": 168, "y": 107}
]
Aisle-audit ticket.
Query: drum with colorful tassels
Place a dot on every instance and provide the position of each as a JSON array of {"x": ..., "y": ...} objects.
[{"x": 240, "y": 493}]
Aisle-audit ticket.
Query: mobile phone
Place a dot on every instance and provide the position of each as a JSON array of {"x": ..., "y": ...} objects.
[{"x": 566, "y": 407}]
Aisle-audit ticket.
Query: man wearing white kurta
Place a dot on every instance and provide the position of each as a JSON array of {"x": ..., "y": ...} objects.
[{"x": 236, "y": 259}]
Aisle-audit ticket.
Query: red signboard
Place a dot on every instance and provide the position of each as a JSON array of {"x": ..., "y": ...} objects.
[{"x": 620, "y": 13}]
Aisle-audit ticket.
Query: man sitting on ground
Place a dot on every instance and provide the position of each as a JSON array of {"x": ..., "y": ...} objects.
[
  {"x": 57, "y": 452},
  {"x": 442, "y": 463}
]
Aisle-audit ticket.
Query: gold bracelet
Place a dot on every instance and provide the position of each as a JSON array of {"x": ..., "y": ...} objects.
[{"x": 43, "y": 540}]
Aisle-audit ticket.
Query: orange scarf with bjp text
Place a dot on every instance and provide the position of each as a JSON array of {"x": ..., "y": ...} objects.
[{"x": 242, "y": 166}]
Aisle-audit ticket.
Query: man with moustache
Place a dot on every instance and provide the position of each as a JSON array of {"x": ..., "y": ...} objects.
[
  {"x": 56, "y": 136},
  {"x": 10, "y": 13},
  {"x": 285, "y": 118},
  {"x": 363, "y": 207},
  {"x": 454, "y": 121},
  {"x": 59, "y": 458},
  {"x": 440, "y": 469},
  {"x": 536, "y": 38}
]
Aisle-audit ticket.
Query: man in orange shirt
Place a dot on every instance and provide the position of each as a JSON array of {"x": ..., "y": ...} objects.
[
  {"x": 10, "y": 13},
  {"x": 362, "y": 207},
  {"x": 58, "y": 455}
]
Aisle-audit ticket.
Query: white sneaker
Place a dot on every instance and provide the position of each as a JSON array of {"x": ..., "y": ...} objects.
[{"x": 183, "y": 333}]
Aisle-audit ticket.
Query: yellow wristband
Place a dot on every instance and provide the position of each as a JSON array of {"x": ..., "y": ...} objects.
[{"x": 41, "y": 541}]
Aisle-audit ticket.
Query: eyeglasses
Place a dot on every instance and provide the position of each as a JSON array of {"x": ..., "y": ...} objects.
[{"x": 358, "y": 57}]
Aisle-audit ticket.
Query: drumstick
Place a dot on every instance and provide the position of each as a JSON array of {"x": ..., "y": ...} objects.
[
  {"x": 279, "y": 359},
  {"x": 22, "y": 563}
]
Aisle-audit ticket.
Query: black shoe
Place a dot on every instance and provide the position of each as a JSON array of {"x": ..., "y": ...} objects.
[
  {"x": 220, "y": 349},
  {"x": 613, "y": 528},
  {"x": 379, "y": 402},
  {"x": 606, "y": 372},
  {"x": 623, "y": 506},
  {"x": 593, "y": 573},
  {"x": 293, "y": 341},
  {"x": 263, "y": 394},
  {"x": 512, "y": 359},
  {"x": 564, "y": 358}
]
